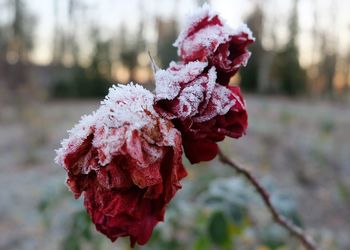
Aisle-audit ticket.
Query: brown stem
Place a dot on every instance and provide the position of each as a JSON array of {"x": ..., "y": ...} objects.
[{"x": 293, "y": 229}]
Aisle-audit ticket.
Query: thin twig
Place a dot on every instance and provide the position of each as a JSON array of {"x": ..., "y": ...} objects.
[
  {"x": 293, "y": 229},
  {"x": 155, "y": 68}
]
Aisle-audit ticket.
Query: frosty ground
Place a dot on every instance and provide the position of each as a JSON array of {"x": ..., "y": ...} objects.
[{"x": 303, "y": 146}]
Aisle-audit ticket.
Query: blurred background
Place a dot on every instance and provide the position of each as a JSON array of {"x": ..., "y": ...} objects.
[{"x": 58, "y": 58}]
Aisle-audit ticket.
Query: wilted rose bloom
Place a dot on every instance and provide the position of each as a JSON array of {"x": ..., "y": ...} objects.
[
  {"x": 203, "y": 110},
  {"x": 206, "y": 37},
  {"x": 126, "y": 160}
]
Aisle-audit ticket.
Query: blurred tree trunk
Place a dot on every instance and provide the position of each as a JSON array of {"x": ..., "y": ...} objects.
[
  {"x": 328, "y": 69},
  {"x": 131, "y": 49},
  {"x": 346, "y": 73},
  {"x": 58, "y": 37},
  {"x": 19, "y": 44},
  {"x": 167, "y": 33},
  {"x": 128, "y": 53},
  {"x": 72, "y": 42},
  {"x": 329, "y": 60},
  {"x": 346, "y": 76},
  {"x": 101, "y": 62},
  {"x": 287, "y": 68},
  {"x": 254, "y": 77}
]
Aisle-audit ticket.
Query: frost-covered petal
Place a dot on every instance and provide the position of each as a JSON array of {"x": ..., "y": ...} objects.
[
  {"x": 230, "y": 56},
  {"x": 207, "y": 38},
  {"x": 169, "y": 81},
  {"x": 204, "y": 111},
  {"x": 126, "y": 160}
]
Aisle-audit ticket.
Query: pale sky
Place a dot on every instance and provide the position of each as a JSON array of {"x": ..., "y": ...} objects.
[{"x": 109, "y": 14}]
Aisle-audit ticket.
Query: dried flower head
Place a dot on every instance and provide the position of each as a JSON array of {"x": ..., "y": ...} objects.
[
  {"x": 203, "y": 110},
  {"x": 206, "y": 37},
  {"x": 126, "y": 160}
]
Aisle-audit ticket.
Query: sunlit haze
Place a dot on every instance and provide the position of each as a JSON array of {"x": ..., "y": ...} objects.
[{"x": 110, "y": 14}]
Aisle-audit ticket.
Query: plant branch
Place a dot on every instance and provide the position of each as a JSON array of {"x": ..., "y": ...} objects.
[
  {"x": 155, "y": 68},
  {"x": 293, "y": 229}
]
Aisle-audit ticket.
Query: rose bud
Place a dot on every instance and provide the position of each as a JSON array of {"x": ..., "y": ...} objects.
[
  {"x": 206, "y": 37},
  {"x": 203, "y": 110},
  {"x": 126, "y": 160}
]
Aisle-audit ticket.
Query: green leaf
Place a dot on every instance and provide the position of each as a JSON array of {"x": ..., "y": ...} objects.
[
  {"x": 218, "y": 229},
  {"x": 238, "y": 214},
  {"x": 274, "y": 236},
  {"x": 202, "y": 243},
  {"x": 71, "y": 242}
]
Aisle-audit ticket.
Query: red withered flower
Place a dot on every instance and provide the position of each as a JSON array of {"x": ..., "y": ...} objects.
[
  {"x": 203, "y": 110},
  {"x": 126, "y": 161},
  {"x": 207, "y": 38}
]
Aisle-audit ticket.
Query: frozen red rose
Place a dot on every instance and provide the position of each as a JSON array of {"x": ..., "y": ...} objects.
[
  {"x": 206, "y": 37},
  {"x": 126, "y": 161},
  {"x": 203, "y": 110}
]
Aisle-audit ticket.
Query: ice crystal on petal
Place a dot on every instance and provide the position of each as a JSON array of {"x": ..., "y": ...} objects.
[
  {"x": 206, "y": 37},
  {"x": 193, "y": 19},
  {"x": 76, "y": 136},
  {"x": 197, "y": 95},
  {"x": 126, "y": 108},
  {"x": 168, "y": 83},
  {"x": 204, "y": 31},
  {"x": 126, "y": 161}
]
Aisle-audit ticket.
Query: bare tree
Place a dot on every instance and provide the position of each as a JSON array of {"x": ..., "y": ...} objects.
[
  {"x": 253, "y": 77},
  {"x": 19, "y": 43},
  {"x": 58, "y": 38},
  {"x": 347, "y": 71},
  {"x": 328, "y": 50},
  {"x": 288, "y": 71}
]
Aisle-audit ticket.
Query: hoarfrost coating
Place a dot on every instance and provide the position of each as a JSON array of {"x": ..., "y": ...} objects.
[
  {"x": 126, "y": 161},
  {"x": 197, "y": 94},
  {"x": 218, "y": 30},
  {"x": 207, "y": 38},
  {"x": 168, "y": 83},
  {"x": 124, "y": 105}
]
